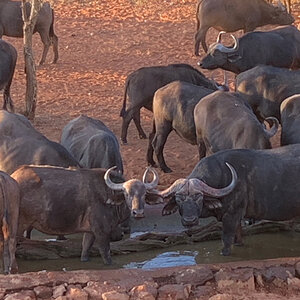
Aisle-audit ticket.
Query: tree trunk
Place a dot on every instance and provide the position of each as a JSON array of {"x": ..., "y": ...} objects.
[{"x": 31, "y": 83}]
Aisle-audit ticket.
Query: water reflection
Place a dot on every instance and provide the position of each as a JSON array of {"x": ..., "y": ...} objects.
[{"x": 260, "y": 246}]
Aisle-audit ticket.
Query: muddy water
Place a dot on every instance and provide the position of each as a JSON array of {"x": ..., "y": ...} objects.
[{"x": 260, "y": 246}]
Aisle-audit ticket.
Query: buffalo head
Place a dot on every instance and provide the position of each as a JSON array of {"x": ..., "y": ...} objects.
[
  {"x": 187, "y": 196},
  {"x": 136, "y": 192},
  {"x": 219, "y": 55},
  {"x": 280, "y": 15}
]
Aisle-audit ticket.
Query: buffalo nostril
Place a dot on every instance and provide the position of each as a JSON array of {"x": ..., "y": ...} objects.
[{"x": 138, "y": 214}]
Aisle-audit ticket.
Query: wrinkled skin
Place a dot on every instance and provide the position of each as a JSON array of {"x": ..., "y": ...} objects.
[
  {"x": 11, "y": 24},
  {"x": 279, "y": 47},
  {"x": 233, "y": 15},
  {"x": 8, "y": 59}
]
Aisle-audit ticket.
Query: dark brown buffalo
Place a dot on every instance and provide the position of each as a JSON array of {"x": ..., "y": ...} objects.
[
  {"x": 290, "y": 120},
  {"x": 11, "y": 24},
  {"x": 141, "y": 85},
  {"x": 8, "y": 59},
  {"x": 232, "y": 15},
  {"x": 61, "y": 201},
  {"x": 264, "y": 185},
  {"x": 265, "y": 87},
  {"x": 21, "y": 144},
  {"x": 173, "y": 107},
  {"x": 9, "y": 215},
  {"x": 226, "y": 121}
]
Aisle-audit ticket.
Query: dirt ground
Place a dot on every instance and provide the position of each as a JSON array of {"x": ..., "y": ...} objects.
[{"x": 100, "y": 43}]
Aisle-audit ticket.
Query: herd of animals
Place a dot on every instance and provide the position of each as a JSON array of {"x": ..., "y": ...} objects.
[{"x": 77, "y": 185}]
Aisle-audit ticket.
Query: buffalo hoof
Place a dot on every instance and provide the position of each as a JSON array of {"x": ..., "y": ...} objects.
[
  {"x": 166, "y": 170},
  {"x": 84, "y": 258},
  {"x": 152, "y": 164},
  {"x": 124, "y": 142},
  {"x": 226, "y": 251}
]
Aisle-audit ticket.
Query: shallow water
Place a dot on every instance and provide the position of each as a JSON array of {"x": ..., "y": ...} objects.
[{"x": 260, "y": 246}]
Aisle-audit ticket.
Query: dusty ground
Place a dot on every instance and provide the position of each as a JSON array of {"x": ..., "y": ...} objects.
[{"x": 100, "y": 43}]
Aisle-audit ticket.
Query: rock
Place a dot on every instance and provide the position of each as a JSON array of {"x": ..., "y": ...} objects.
[
  {"x": 279, "y": 272},
  {"x": 76, "y": 293},
  {"x": 94, "y": 289},
  {"x": 43, "y": 292},
  {"x": 237, "y": 279},
  {"x": 174, "y": 292},
  {"x": 259, "y": 280},
  {"x": 278, "y": 282},
  {"x": 113, "y": 295},
  {"x": 144, "y": 291},
  {"x": 293, "y": 284},
  {"x": 198, "y": 276},
  {"x": 59, "y": 291},
  {"x": 221, "y": 297},
  {"x": 297, "y": 267},
  {"x": 203, "y": 291},
  {"x": 23, "y": 295}
]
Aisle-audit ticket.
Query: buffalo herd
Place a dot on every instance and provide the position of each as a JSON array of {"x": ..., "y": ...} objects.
[{"x": 238, "y": 175}]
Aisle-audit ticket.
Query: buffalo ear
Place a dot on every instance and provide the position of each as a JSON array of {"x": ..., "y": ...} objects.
[
  {"x": 170, "y": 208},
  {"x": 115, "y": 199},
  {"x": 153, "y": 197}
]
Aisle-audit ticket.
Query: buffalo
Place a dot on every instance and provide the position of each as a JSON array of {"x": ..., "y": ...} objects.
[
  {"x": 226, "y": 121},
  {"x": 92, "y": 143},
  {"x": 279, "y": 47},
  {"x": 9, "y": 217},
  {"x": 259, "y": 184},
  {"x": 141, "y": 85},
  {"x": 21, "y": 143},
  {"x": 8, "y": 59},
  {"x": 11, "y": 24},
  {"x": 173, "y": 107},
  {"x": 232, "y": 15},
  {"x": 290, "y": 120},
  {"x": 265, "y": 87},
  {"x": 63, "y": 201}
]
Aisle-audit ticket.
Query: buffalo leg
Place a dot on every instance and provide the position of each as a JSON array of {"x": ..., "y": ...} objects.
[
  {"x": 137, "y": 122},
  {"x": 158, "y": 144},
  {"x": 54, "y": 40},
  {"x": 150, "y": 159},
  {"x": 230, "y": 227},
  {"x": 201, "y": 148},
  {"x": 87, "y": 243},
  {"x": 125, "y": 124},
  {"x": 7, "y": 101},
  {"x": 12, "y": 244},
  {"x": 238, "y": 240},
  {"x": 46, "y": 41},
  {"x": 104, "y": 248},
  {"x": 200, "y": 37}
]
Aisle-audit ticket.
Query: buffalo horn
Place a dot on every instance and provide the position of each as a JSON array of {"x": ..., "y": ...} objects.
[
  {"x": 154, "y": 183},
  {"x": 109, "y": 183},
  {"x": 225, "y": 49},
  {"x": 220, "y": 36},
  {"x": 273, "y": 130},
  {"x": 201, "y": 187},
  {"x": 176, "y": 186}
]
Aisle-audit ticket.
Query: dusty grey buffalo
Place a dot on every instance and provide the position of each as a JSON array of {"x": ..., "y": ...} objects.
[
  {"x": 226, "y": 121},
  {"x": 21, "y": 143},
  {"x": 265, "y": 187},
  {"x": 232, "y": 15},
  {"x": 265, "y": 87},
  {"x": 290, "y": 120},
  {"x": 63, "y": 201},
  {"x": 279, "y": 47},
  {"x": 11, "y": 24},
  {"x": 8, "y": 59},
  {"x": 173, "y": 107},
  {"x": 9, "y": 217},
  {"x": 141, "y": 85},
  {"x": 92, "y": 143}
]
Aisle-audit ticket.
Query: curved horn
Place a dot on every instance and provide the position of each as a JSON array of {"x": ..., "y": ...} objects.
[
  {"x": 109, "y": 183},
  {"x": 273, "y": 130},
  {"x": 177, "y": 185},
  {"x": 198, "y": 186},
  {"x": 225, "y": 49},
  {"x": 154, "y": 183},
  {"x": 220, "y": 36}
]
